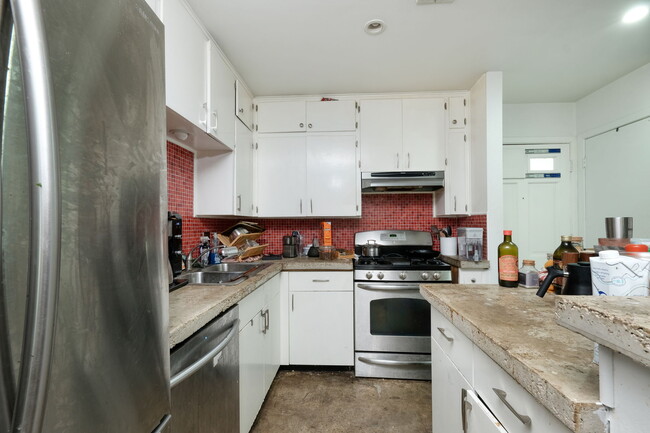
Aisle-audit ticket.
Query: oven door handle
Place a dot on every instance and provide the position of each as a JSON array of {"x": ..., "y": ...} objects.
[
  {"x": 388, "y": 287},
  {"x": 392, "y": 362}
]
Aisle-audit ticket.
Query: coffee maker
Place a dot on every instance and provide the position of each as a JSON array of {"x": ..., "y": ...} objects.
[{"x": 175, "y": 242}]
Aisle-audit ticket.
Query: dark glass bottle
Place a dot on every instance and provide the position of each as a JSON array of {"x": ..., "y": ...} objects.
[
  {"x": 565, "y": 247},
  {"x": 508, "y": 261}
]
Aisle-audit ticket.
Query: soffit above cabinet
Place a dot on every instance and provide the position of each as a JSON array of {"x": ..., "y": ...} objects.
[{"x": 550, "y": 51}]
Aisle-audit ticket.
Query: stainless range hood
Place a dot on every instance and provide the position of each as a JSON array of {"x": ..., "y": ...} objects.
[{"x": 402, "y": 181}]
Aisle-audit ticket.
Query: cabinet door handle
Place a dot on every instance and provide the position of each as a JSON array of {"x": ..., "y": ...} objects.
[
  {"x": 320, "y": 281},
  {"x": 300, "y": 206},
  {"x": 264, "y": 322},
  {"x": 239, "y": 202},
  {"x": 408, "y": 160},
  {"x": 204, "y": 115},
  {"x": 444, "y": 334},
  {"x": 292, "y": 297},
  {"x": 454, "y": 203},
  {"x": 267, "y": 320},
  {"x": 502, "y": 396},
  {"x": 465, "y": 406},
  {"x": 311, "y": 205},
  {"x": 397, "y": 160},
  {"x": 215, "y": 122}
]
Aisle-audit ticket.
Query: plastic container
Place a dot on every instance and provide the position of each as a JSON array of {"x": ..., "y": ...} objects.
[{"x": 613, "y": 274}]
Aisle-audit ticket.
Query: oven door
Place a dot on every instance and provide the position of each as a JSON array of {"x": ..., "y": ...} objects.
[{"x": 391, "y": 317}]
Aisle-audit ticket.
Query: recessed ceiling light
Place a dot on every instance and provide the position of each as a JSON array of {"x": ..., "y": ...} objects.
[
  {"x": 635, "y": 14},
  {"x": 180, "y": 134},
  {"x": 374, "y": 27}
]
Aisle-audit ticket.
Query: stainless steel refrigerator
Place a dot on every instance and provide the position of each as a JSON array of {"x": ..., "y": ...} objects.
[{"x": 84, "y": 291}]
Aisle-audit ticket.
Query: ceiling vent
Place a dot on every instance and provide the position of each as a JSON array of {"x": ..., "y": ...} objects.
[{"x": 430, "y": 2}]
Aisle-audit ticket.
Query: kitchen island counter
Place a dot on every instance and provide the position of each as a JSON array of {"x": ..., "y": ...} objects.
[
  {"x": 193, "y": 306},
  {"x": 517, "y": 330}
]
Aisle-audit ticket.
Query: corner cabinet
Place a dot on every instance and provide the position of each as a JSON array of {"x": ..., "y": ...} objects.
[
  {"x": 402, "y": 134},
  {"x": 259, "y": 348},
  {"x": 307, "y": 175},
  {"x": 453, "y": 199},
  {"x": 244, "y": 107},
  {"x": 221, "y": 98}
]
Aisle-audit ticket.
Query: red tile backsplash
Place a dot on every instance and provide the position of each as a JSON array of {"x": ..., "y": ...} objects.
[{"x": 379, "y": 212}]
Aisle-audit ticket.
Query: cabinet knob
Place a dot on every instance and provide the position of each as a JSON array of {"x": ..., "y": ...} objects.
[
  {"x": 454, "y": 121},
  {"x": 241, "y": 111},
  {"x": 302, "y": 125},
  {"x": 309, "y": 125}
]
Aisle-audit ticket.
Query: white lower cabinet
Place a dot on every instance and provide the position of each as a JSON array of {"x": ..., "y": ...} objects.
[
  {"x": 485, "y": 399},
  {"x": 321, "y": 318},
  {"x": 259, "y": 349},
  {"x": 473, "y": 276}
]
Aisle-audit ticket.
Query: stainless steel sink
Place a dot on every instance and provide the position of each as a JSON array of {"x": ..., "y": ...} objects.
[{"x": 225, "y": 273}]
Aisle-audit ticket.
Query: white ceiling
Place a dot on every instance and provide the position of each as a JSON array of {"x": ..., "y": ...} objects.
[{"x": 548, "y": 50}]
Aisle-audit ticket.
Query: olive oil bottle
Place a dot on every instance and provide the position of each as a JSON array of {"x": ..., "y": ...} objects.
[{"x": 508, "y": 261}]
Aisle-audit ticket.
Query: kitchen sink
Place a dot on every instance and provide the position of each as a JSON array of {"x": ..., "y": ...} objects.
[{"x": 225, "y": 273}]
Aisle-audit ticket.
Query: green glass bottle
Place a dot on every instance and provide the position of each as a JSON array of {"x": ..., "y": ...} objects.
[
  {"x": 565, "y": 247},
  {"x": 508, "y": 261}
]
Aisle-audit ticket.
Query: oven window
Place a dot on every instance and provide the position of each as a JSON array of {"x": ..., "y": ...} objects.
[{"x": 400, "y": 317}]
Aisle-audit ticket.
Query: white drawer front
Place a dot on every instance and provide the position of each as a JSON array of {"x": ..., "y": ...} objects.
[
  {"x": 320, "y": 281},
  {"x": 453, "y": 342},
  {"x": 499, "y": 391},
  {"x": 252, "y": 304}
]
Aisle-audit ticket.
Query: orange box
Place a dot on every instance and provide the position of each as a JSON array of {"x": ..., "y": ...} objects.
[{"x": 327, "y": 233}]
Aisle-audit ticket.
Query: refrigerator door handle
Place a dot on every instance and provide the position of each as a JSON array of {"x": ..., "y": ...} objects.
[
  {"x": 163, "y": 424},
  {"x": 193, "y": 368},
  {"x": 45, "y": 212}
]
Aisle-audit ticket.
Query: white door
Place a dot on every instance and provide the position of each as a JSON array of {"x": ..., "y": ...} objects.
[
  {"x": 380, "y": 134},
  {"x": 423, "y": 134},
  {"x": 221, "y": 83},
  {"x": 536, "y": 198},
  {"x": 185, "y": 80},
  {"x": 332, "y": 175},
  {"x": 251, "y": 372},
  {"x": 478, "y": 418},
  {"x": 448, "y": 384},
  {"x": 321, "y": 328},
  {"x": 244, "y": 105},
  {"x": 282, "y": 116},
  {"x": 331, "y": 116},
  {"x": 281, "y": 175},
  {"x": 456, "y": 173},
  {"x": 243, "y": 170}
]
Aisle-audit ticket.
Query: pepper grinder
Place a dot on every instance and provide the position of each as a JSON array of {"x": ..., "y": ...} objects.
[{"x": 313, "y": 251}]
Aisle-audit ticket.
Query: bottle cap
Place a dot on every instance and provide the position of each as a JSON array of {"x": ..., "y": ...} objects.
[
  {"x": 507, "y": 232},
  {"x": 529, "y": 262},
  {"x": 608, "y": 254},
  {"x": 566, "y": 238},
  {"x": 637, "y": 248}
]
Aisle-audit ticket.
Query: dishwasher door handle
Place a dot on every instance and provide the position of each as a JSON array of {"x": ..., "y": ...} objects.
[
  {"x": 193, "y": 368},
  {"x": 392, "y": 362}
]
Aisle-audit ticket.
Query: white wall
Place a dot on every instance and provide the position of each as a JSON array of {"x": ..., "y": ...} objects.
[
  {"x": 620, "y": 102},
  {"x": 531, "y": 121}
]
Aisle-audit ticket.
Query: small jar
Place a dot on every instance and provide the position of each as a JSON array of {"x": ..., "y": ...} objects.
[{"x": 528, "y": 275}]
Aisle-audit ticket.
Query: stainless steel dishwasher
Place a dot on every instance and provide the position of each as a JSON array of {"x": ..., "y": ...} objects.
[{"x": 205, "y": 378}]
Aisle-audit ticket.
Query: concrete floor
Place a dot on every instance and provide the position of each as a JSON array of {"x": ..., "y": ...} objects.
[{"x": 337, "y": 402}]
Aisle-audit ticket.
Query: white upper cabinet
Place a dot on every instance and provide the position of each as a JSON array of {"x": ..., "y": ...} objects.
[
  {"x": 457, "y": 112},
  {"x": 423, "y": 134},
  {"x": 244, "y": 105},
  {"x": 332, "y": 116},
  {"x": 306, "y": 116},
  {"x": 221, "y": 101},
  {"x": 243, "y": 171},
  {"x": 281, "y": 174},
  {"x": 332, "y": 175},
  {"x": 185, "y": 63},
  {"x": 380, "y": 134},
  {"x": 402, "y": 134},
  {"x": 453, "y": 199}
]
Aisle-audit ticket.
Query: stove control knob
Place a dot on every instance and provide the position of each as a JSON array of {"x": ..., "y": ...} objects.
[
  {"x": 369, "y": 275},
  {"x": 402, "y": 275},
  {"x": 436, "y": 276},
  {"x": 380, "y": 275},
  {"x": 425, "y": 275}
]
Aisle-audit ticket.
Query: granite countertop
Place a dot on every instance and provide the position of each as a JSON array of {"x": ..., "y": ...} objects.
[
  {"x": 193, "y": 306},
  {"x": 463, "y": 263},
  {"x": 518, "y": 331},
  {"x": 619, "y": 322}
]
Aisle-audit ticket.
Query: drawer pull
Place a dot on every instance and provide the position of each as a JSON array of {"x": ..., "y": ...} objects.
[
  {"x": 465, "y": 406},
  {"x": 320, "y": 281},
  {"x": 502, "y": 396},
  {"x": 444, "y": 334}
]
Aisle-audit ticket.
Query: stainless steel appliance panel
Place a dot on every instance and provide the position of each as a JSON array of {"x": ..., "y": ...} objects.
[
  {"x": 207, "y": 400},
  {"x": 110, "y": 358},
  {"x": 393, "y": 365},
  {"x": 391, "y": 317}
]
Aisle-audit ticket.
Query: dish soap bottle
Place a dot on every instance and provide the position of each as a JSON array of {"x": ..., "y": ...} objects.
[{"x": 508, "y": 261}]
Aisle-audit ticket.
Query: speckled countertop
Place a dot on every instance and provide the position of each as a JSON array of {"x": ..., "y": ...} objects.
[
  {"x": 619, "y": 322},
  {"x": 193, "y": 306},
  {"x": 518, "y": 331}
]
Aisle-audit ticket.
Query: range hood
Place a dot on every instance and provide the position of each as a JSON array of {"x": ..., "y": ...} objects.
[{"x": 402, "y": 181}]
